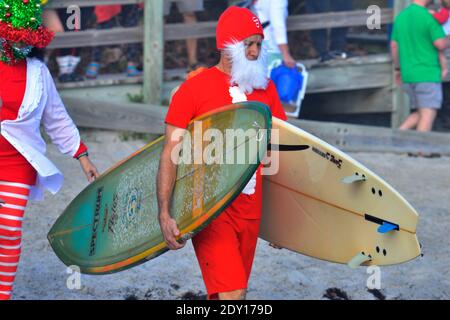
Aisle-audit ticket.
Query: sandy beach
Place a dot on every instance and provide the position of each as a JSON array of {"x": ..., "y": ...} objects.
[{"x": 276, "y": 274}]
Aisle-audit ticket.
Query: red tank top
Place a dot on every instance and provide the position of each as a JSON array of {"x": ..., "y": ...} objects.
[{"x": 13, "y": 166}]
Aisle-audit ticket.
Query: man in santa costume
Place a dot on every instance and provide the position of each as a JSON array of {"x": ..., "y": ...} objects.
[
  {"x": 225, "y": 249},
  {"x": 28, "y": 99}
]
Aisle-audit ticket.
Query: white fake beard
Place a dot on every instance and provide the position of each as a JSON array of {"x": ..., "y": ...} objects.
[{"x": 248, "y": 75}]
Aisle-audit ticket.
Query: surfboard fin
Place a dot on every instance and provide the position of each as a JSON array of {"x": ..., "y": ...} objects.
[
  {"x": 287, "y": 148},
  {"x": 387, "y": 227},
  {"x": 353, "y": 179},
  {"x": 358, "y": 260}
]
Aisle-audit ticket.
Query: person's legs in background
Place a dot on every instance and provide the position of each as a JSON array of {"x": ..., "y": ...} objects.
[
  {"x": 68, "y": 59},
  {"x": 427, "y": 98},
  {"x": 130, "y": 18},
  {"x": 319, "y": 37},
  {"x": 189, "y": 17},
  {"x": 427, "y": 118},
  {"x": 106, "y": 18},
  {"x": 339, "y": 35},
  {"x": 188, "y": 8},
  {"x": 96, "y": 56},
  {"x": 411, "y": 121}
]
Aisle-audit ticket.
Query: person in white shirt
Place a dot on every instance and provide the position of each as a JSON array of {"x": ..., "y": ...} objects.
[
  {"x": 28, "y": 98},
  {"x": 273, "y": 15}
]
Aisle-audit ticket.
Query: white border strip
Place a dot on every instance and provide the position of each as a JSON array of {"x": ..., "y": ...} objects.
[
  {"x": 8, "y": 238},
  {"x": 13, "y": 195},
  {"x": 6, "y": 264},
  {"x": 10, "y": 217},
  {"x": 10, "y": 228},
  {"x": 13, "y": 206},
  {"x": 15, "y": 184}
]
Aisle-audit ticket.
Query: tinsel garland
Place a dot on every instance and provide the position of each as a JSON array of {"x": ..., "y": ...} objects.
[
  {"x": 20, "y": 22},
  {"x": 21, "y": 13},
  {"x": 8, "y": 55},
  {"x": 39, "y": 38}
]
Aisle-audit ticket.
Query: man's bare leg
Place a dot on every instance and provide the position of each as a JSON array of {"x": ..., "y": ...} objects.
[
  {"x": 233, "y": 295},
  {"x": 189, "y": 17},
  {"x": 411, "y": 122},
  {"x": 427, "y": 117}
]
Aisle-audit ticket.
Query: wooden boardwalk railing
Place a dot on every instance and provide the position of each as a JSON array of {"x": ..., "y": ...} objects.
[
  {"x": 365, "y": 73},
  {"x": 181, "y": 31}
]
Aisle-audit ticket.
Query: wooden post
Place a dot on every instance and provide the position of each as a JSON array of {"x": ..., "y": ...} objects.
[
  {"x": 401, "y": 104},
  {"x": 153, "y": 51}
]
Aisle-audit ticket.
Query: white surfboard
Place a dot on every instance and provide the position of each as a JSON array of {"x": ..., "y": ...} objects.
[{"x": 326, "y": 205}]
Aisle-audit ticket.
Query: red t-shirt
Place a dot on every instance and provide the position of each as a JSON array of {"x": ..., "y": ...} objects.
[
  {"x": 13, "y": 166},
  {"x": 442, "y": 15},
  {"x": 211, "y": 90},
  {"x": 107, "y": 12}
]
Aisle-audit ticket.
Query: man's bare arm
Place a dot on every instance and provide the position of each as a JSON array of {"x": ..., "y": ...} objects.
[
  {"x": 167, "y": 174},
  {"x": 441, "y": 44},
  {"x": 396, "y": 62},
  {"x": 394, "y": 54}
]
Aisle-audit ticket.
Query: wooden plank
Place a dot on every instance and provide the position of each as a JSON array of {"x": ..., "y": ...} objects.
[
  {"x": 93, "y": 38},
  {"x": 175, "y": 76},
  {"x": 325, "y": 72},
  {"x": 118, "y": 93},
  {"x": 351, "y": 75},
  {"x": 349, "y": 102},
  {"x": 88, "y": 3},
  {"x": 294, "y": 23},
  {"x": 181, "y": 31},
  {"x": 101, "y": 114},
  {"x": 358, "y": 138},
  {"x": 143, "y": 118},
  {"x": 377, "y": 38},
  {"x": 359, "y": 73},
  {"x": 355, "y": 18},
  {"x": 345, "y": 76},
  {"x": 153, "y": 51},
  {"x": 103, "y": 80},
  {"x": 358, "y": 60}
]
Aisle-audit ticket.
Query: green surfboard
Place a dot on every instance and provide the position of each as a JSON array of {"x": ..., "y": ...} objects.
[{"x": 112, "y": 225}]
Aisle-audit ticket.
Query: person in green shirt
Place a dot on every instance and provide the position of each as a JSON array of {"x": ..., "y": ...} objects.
[{"x": 417, "y": 40}]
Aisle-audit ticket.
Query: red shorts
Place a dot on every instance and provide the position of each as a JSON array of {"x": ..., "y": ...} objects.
[{"x": 225, "y": 250}]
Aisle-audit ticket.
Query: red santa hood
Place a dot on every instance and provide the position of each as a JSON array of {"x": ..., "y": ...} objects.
[{"x": 235, "y": 25}]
